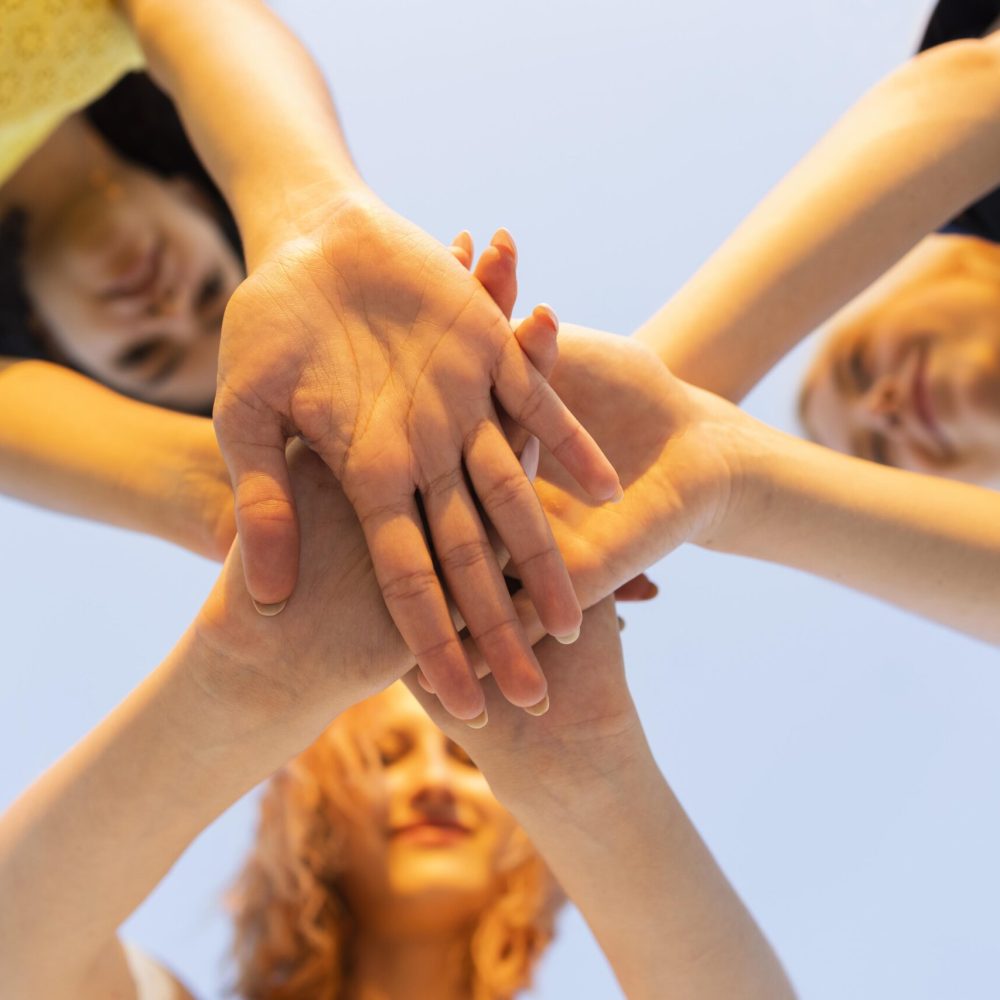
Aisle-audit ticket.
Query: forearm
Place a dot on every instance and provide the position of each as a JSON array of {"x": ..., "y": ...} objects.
[
  {"x": 255, "y": 104},
  {"x": 72, "y": 445},
  {"x": 85, "y": 845},
  {"x": 919, "y": 147},
  {"x": 662, "y": 910},
  {"x": 926, "y": 544}
]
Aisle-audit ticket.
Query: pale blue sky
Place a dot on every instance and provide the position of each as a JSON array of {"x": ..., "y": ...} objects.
[{"x": 838, "y": 756}]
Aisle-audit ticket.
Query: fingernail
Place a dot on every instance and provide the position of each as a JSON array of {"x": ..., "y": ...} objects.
[
  {"x": 503, "y": 240},
  {"x": 618, "y": 495},
  {"x": 479, "y": 721},
  {"x": 621, "y": 623},
  {"x": 540, "y": 709},
  {"x": 270, "y": 610},
  {"x": 569, "y": 638},
  {"x": 652, "y": 590},
  {"x": 547, "y": 313}
]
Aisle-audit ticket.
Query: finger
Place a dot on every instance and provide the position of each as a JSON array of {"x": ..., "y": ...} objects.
[
  {"x": 533, "y": 404},
  {"x": 537, "y": 335},
  {"x": 496, "y": 270},
  {"x": 639, "y": 588},
  {"x": 413, "y": 595},
  {"x": 513, "y": 509},
  {"x": 266, "y": 522},
  {"x": 478, "y": 588},
  {"x": 461, "y": 247}
]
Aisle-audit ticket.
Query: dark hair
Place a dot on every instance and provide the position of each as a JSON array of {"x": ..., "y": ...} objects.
[{"x": 140, "y": 123}]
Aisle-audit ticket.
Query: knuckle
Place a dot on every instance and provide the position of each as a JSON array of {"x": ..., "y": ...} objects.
[
  {"x": 444, "y": 482},
  {"x": 545, "y": 554},
  {"x": 497, "y": 636},
  {"x": 413, "y": 586},
  {"x": 568, "y": 441},
  {"x": 533, "y": 403},
  {"x": 264, "y": 508},
  {"x": 436, "y": 650},
  {"x": 464, "y": 555},
  {"x": 504, "y": 491}
]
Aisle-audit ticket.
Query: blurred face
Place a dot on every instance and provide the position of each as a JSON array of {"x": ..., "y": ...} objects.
[
  {"x": 917, "y": 383},
  {"x": 130, "y": 282},
  {"x": 428, "y": 856}
]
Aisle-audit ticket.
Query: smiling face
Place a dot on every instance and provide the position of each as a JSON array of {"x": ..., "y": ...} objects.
[
  {"x": 916, "y": 383},
  {"x": 129, "y": 282},
  {"x": 430, "y": 853}
]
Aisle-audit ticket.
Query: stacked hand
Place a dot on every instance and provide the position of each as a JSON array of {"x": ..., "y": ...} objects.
[
  {"x": 335, "y": 643},
  {"x": 591, "y": 728},
  {"x": 677, "y": 450},
  {"x": 367, "y": 338}
]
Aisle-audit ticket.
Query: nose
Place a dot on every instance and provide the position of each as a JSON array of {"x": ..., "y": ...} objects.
[
  {"x": 434, "y": 789},
  {"x": 883, "y": 402}
]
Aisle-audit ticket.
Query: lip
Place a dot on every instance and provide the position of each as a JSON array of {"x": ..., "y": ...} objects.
[
  {"x": 923, "y": 403},
  {"x": 431, "y": 832}
]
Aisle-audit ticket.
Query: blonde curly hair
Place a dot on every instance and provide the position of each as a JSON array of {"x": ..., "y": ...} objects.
[{"x": 293, "y": 925}]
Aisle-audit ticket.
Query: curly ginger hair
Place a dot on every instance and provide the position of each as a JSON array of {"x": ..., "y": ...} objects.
[{"x": 293, "y": 925}]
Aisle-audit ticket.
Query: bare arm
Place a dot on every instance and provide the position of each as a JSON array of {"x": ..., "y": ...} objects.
[
  {"x": 72, "y": 445},
  {"x": 698, "y": 469},
  {"x": 582, "y": 782},
  {"x": 360, "y": 333},
  {"x": 920, "y": 146},
  {"x": 269, "y": 132},
  {"x": 237, "y": 697},
  {"x": 923, "y": 543}
]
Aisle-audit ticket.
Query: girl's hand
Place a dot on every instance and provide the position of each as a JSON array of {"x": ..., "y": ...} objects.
[
  {"x": 590, "y": 730},
  {"x": 365, "y": 337}
]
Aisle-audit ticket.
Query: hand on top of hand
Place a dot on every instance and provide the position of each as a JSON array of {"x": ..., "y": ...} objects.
[
  {"x": 590, "y": 729},
  {"x": 679, "y": 451},
  {"x": 369, "y": 340}
]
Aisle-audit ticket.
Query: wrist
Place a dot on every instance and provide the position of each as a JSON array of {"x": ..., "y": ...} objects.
[
  {"x": 571, "y": 776},
  {"x": 582, "y": 799},
  {"x": 751, "y": 454},
  {"x": 247, "y": 677},
  {"x": 303, "y": 205},
  {"x": 189, "y": 488}
]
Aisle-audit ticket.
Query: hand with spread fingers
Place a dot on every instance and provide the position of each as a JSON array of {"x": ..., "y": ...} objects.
[
  {"x": 368, "y": 339},
  {"x": 305, "y": 668}
]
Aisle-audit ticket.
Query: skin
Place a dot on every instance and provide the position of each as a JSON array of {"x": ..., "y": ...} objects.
[
  {"x": 917, "y": 149},
  {"x": 434, "y": 838},
  {"x": 425, "y": 855},
  {"x": 241, "y": 694},
  {"x": 911, "y": 377},
  {"x": 128, "y": 275},
  {"x": 358, "y": 332}
]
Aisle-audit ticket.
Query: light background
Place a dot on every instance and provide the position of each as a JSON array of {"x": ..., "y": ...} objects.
[{"x": 838, "y": 756}]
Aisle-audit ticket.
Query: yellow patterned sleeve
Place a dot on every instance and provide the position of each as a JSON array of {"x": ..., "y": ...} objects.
[{"x": 56, "y": 56}]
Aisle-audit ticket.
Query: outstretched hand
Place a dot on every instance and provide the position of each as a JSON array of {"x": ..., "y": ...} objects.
[{"x": 368, "y": 339}]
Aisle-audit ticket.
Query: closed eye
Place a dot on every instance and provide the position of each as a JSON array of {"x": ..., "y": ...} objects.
[
  {"x": 209, "y": 290},
  {"x": 878, "y": 449},
  {"x": 138, "y": 354},
  {"x": 860, "y": 374}
]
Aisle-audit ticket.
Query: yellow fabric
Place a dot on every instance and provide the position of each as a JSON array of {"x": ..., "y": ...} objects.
[{"x": 55, "y": 57}]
